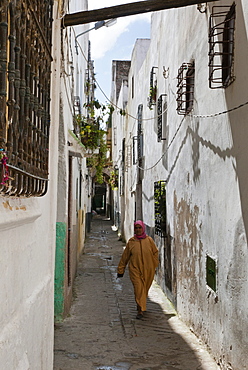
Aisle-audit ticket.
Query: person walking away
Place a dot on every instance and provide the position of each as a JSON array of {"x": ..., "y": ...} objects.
[{"x": 141, "y": 255}]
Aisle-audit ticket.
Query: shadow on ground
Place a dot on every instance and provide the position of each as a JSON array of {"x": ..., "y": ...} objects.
[{"x": 102, "y": 333}]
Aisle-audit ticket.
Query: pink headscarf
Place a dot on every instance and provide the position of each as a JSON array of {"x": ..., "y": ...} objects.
[{"x": 143, "y": 235}]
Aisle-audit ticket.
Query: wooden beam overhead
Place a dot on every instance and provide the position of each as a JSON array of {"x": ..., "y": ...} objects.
[{"x": 125, "y": 10}]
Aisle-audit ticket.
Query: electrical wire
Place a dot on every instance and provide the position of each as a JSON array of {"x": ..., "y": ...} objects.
[
  {"x": 157, "y": 116},
  {"x": 220, "y": 113}
]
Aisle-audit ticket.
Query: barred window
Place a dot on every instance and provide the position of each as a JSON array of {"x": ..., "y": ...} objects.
[
  {"x": 152, "y": 88},
  {"x": 25, "y": 68},
  {"x": 140, "y": 144},
  {"x": 140, "y": 132},
  {"x": 135, "y": 150},
  {"x": 160, "y": 208},
  {"x": 221, "y": 46},
  {"x": 162, "y": 116},
  {"x": 185, "y": 92}
]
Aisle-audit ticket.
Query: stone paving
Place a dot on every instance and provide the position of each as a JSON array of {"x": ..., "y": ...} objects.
[{"x": 102, "y": 333}]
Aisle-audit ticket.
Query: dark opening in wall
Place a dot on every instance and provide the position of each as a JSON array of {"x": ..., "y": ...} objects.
[{"x": 211, "y": 272}]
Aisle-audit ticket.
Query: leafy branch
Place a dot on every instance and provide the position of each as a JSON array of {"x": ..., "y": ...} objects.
[{"x": 93, "y": 135}]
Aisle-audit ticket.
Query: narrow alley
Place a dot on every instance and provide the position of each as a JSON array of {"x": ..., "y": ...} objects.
[{"x": 102, "y": 332}]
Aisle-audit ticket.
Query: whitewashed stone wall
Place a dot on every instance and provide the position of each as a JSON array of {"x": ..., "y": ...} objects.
[
  {"x": 203, "y": 161},
  {"x": 28, "y": 240},
  {"x": 27, "y": 229}
]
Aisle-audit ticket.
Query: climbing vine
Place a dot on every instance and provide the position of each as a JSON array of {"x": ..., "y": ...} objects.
[
  {"x": 93, "y": 136},
  {"x": 113, "y": 180}
]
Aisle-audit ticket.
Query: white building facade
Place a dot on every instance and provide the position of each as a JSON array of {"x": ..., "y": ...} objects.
[
  {"x": 44, "y": 187},
  {"x": 74, "y": 185},
  {"x": 184, "y": 166}
]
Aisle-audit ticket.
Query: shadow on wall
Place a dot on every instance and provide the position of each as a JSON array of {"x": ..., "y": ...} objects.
[{"x": 238, "y": 118}]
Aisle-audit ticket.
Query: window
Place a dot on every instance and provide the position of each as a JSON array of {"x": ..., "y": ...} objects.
[
  {"x": 162, "y": 116},
  {"x": 132, "y": 87},
  {"x": 115, "y": 135},
  {"x": 185, "y": 92},
  {"x": 160, "y": 208},
  {"x": 138, "y": 140},
  {"x": 123, "y": 151},
  {"x": 221, "y": 46},
  {"x": 25, "y": 42},
  {"x": 211, "y": 273},
  {"x": 115, "y": 180},
  {"x": 140, "y": 132},
  {"x": 153, "y": 88},
  {"x": 77, "y": 105},
  {"x": 135, "y": 150}
]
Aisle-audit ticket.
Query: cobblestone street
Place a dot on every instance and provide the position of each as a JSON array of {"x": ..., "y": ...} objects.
[{"x": 102, "y": 333}]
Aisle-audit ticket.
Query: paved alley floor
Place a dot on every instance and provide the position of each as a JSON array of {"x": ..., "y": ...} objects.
[{"x": 102, "y": 332}]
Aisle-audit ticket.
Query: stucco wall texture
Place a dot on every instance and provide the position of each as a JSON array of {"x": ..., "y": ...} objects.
[
  {"x": 27, "y": 257},
  {"x": 203, "y": 160}
]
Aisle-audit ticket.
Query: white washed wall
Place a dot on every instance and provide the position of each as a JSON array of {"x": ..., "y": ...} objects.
[
  {"x": 206, "y": 178},
  {"x": 27, "y": 229},
  {"x": 27, "y": 258}
]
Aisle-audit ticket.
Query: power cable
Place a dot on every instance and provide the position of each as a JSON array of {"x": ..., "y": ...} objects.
[{"x": 157, "y": 116}]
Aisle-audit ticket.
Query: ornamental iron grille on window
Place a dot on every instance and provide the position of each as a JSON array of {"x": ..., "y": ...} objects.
[
  {"x": 153, "y": 88},
  {"x": 25, "y": 68},
  {"x": 140, "y": 132},
  {"x": 162, "y": 116},
  {"x": 185, "y": 92},
  {"x": 135, "y": 159},
  {"x": 160, "y": 208},
  {"x": 140, "y": 144},
  {"x": 221, "y": 46}
]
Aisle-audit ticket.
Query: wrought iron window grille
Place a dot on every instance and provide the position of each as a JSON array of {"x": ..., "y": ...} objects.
[
  {"x": 153, "y": 88},
  {"x": 160, "y": 208},
  {"x": 116, "y": 177},
  {"x": 122, "y": 184},
  {"x": 77, "y": 111},
  {"x": 25, "y": 55},
  {"x": 77, "y": 105},
  {"x": 185, "y": 92},
  {"x": 123, "y": 151},
  {"x": 129, "y": 156},
  {"x": 89, "y": 79},
  {"x": 221, "y": 46},
  {"x": 140, "y": 132},
  {"x": 162, "y": 116},
  {"x": 140, "y": 145},
  {"x": 135, "y": 156}
]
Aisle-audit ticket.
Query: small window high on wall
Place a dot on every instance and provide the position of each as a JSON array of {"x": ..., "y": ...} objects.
[
  {"x": 153, "y": 88},
  {"x": 162, "y": 117},
  {"x": 186, "y": 84},
  {"x": 221, "y": 46}
]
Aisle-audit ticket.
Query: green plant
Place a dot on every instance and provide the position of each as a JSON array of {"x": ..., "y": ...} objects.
[
  {"x": 93, "y": 135},
  {"x": 152, "y": 96},
  {"x": 113, "y": 180},
  {"x": 160, "y": 207}
]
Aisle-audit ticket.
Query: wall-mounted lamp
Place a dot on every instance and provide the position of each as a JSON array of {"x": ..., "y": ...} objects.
[{"x": 97, "y": 25}]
